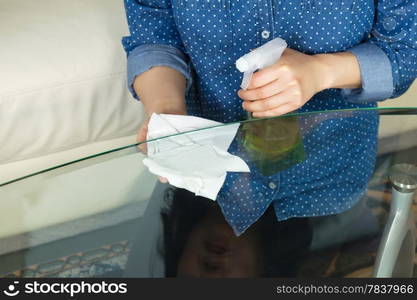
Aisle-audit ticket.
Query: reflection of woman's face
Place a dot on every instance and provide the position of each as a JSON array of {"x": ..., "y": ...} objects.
[{"x": 213, "y": 250}]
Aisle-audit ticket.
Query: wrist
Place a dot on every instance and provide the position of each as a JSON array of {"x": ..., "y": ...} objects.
[
  {"x": 323, "y": 72},
  {"x": 339, "y": 70},
  {"x": 165, "y": 106}
]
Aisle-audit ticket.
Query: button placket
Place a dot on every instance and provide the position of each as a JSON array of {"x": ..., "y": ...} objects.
[{"x": 265, "y": 19}]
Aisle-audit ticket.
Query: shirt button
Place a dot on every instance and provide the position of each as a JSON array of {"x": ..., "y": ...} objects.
[
  {"x": 272, "y": 185},
  {"x": 265, "y": 34}
]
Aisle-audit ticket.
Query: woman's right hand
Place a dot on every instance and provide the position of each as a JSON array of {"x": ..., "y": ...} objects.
[
  {"x": 161, "y": 90},
  {"x": 142, "y": 135},
  {"x": 141, "y": 138}
]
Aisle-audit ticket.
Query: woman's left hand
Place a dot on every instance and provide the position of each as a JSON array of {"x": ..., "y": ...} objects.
[{"x": 285, "y": 86}]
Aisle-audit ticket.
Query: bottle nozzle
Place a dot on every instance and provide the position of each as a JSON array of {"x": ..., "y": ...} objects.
[
  {"x": 242, "y": 64},
  {"x": 260, "y": 58}
]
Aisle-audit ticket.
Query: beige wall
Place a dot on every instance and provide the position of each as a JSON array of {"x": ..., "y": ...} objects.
[
  {"x": 409, "y": 99},
  {"x": 408, "y": 123}
]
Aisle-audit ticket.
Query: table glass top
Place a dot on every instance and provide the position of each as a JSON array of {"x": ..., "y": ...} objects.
[{"x": 301, "y": 195}]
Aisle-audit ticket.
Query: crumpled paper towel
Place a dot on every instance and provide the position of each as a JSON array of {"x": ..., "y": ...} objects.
[{"x": 196, "y": 161}]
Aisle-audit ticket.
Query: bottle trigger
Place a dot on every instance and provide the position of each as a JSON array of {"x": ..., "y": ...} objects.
[{"x": 247, "y": 77}]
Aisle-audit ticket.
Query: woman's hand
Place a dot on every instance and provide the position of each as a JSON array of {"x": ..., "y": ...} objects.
[
  {"x": 161, "y": 90},
  {"x": 295, "y": 79},
  {"x": 141, "y": 138},
  {"x": 142, "y": 134}
]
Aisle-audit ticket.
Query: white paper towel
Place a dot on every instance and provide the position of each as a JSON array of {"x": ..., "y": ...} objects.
[{"x": 196, "y": 161}]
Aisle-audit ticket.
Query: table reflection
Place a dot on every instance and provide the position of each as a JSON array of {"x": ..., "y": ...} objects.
[
  {"x": 193, "y": 239},
  {"x": 206, "y": 245}
]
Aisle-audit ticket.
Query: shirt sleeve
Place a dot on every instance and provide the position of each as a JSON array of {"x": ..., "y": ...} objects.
[
  {"x": 388, "y": 57},
  {"x": 153, "y": 41}
]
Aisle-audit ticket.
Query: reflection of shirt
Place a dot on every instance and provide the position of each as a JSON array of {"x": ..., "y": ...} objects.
[
  {"x": 203, "y": 38},
  {"x": 341, "y": 151}
]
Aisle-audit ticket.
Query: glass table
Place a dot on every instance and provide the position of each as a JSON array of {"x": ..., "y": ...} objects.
[{"x": 326, "y": 194}]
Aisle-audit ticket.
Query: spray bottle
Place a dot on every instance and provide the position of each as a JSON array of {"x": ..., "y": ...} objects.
[
  {"x": 260, "y": 58},
  {"x": 273, "y": 144}
]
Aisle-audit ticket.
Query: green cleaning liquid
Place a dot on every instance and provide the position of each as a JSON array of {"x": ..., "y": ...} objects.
[{"x": 275, "y": 144}]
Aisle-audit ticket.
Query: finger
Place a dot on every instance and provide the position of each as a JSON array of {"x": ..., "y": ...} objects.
[
  {"x": 141, "y": 138},
  {"x": 266, "y": 104},
  {"x": 265, "y": 76},
  {"x": 263, "y": 92},
  {"x": 163, "y": 179},
  {"x": 142, "y": 133},
  {"x": 143, "y": 147},
  {"x": 282, "y": 110}
]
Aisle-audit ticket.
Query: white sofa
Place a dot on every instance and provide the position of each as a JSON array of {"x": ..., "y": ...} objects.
[
  {"x": 63, "y": 96},
  {"x": 62, "y": 80}
]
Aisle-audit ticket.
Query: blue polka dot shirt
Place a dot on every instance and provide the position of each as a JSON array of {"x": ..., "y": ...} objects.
[{"x": 202, "y": 39}]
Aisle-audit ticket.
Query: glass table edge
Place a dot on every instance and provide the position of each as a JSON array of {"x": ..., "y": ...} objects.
[{"x": 384, "y": 110}]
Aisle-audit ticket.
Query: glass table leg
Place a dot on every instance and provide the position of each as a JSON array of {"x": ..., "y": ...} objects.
[{"x": 397, "y": 248}]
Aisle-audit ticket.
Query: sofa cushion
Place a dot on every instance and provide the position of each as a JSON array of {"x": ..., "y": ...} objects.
[{"x": 62, "y": 76}]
